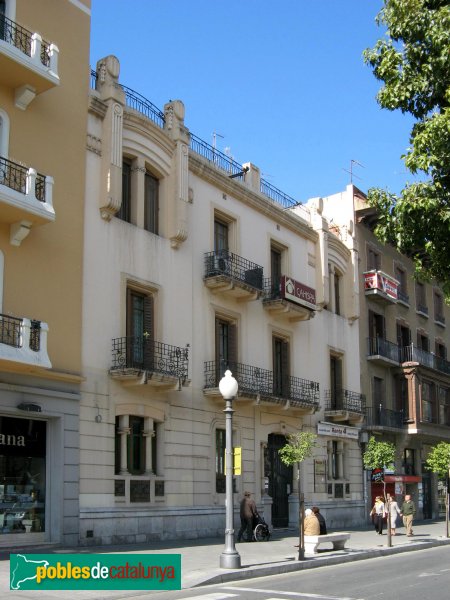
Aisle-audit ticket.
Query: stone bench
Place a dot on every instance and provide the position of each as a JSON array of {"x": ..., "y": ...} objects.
[{"x": 337, "y": 539}]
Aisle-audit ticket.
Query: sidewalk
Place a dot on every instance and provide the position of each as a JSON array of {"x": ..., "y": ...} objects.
[{"x": 200, "y": 558}]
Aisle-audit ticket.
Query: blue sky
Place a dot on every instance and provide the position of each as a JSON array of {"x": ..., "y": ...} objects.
[{"x": 282, "y": 80}]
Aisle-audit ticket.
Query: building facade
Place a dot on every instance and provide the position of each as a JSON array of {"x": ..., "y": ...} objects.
[
  {"x": 43, "y": 115},
  {"x": 404, "y": 341},
  {"x": 196, "y": 265}
]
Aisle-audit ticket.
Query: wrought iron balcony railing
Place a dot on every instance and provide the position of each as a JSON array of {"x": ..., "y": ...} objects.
[
  {"x": 20, "y": 178},
  {"x": 383, "y": 417},
  {"x": 381, "y": 347},
  {"x": 427, "y": 359},
  {"x": 262, "y": 383},
  {"x": 22, "y": 39},
  {"x": 347, "y": 400},
  {"x": 422, "y": 309},
  {"x": 224, "y": 262},
  {"x": 144, "y": 354},
  {"x": 402, "y": 296}
]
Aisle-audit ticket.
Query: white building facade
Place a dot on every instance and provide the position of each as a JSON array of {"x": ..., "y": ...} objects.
[{"x": 194, "y": 264}]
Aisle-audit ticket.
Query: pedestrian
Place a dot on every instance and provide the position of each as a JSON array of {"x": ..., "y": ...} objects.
[
  {"x": 408, "y": 511},
  {"x": 321, "y": 519},
  {"x": 311, "y": 524},
  {"x": 248, "y": 513},
  {"x": 394, "y": 512},
  {"x": 377, "y": 513}
]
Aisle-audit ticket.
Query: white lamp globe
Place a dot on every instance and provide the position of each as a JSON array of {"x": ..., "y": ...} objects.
[{"x": 228, "y": 386}]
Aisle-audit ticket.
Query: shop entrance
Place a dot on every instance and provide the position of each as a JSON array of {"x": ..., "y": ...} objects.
[{"x": 280, "y": 480}]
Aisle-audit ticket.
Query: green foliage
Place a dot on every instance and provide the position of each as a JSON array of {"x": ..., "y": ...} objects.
[
  {"x": 438, "y": 459},
  {"x": 413, "y": 62},
  {"x": 299, "y": 446},
  {"x": 379, "y": 455}
]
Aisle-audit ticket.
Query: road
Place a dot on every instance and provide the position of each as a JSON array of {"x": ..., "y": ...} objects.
[{"x": 410, "y": 576}]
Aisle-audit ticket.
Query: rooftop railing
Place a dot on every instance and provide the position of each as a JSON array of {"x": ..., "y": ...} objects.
[
  {"x": 214, "y": 156},
  {"x": 144, "y": 354},
  {"x": 144, "y": 106},
  {"x": 262, "y": 384},
  {"x": 347, "y": 400}
]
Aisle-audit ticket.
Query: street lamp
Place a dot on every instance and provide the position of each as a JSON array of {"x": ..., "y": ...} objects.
[{"x": 230, "y": 558}]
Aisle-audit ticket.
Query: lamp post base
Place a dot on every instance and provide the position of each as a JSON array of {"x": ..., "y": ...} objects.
[{"x": 230, "y": 560}]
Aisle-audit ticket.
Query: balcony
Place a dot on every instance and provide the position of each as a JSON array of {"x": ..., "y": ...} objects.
[
  {"x": 230, "y": 274},
  {"x": 23, "y": 341},
  {"x": 25, "y": 199},
  {"x": 383, "y": 352},
  {"x": 262, "y": 387},
  {"x": 380, "y": 287},
  {"x": 379, "y": 418},
  {"x": 345, "y": 406},
  {"x": 286, "y": 298},
  {"x": 412, "y": 354},
  {"x": 28, "y": 64},
  {"x": 139, "y": 361}
]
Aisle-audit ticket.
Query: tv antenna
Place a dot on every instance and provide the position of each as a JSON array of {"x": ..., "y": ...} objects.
[
  {"x": 352, "y": 163},
  {"x": 215, "y": 135}
]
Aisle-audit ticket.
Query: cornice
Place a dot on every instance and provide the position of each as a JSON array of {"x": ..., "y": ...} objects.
[
  {"x": 256, "y": 201},
  {"x": 97, "y": 106}
]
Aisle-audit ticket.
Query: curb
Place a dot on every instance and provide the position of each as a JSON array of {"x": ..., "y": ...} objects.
[{"x": 314, "y": 563}]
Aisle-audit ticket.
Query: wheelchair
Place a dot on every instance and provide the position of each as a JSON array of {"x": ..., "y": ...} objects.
[{"x": 261, "y": 531}]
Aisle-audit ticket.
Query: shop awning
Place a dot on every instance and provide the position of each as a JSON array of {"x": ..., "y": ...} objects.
[{"x": 403, "y": 478}]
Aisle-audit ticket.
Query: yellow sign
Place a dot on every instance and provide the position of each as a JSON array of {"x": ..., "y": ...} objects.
[{"x": 237, "y": 461}]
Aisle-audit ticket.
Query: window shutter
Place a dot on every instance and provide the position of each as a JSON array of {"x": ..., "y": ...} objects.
[
  {"x": 232, "y": 346},
  {"x": 285, "y": 387},
  {"x": 149, "y": 334}
]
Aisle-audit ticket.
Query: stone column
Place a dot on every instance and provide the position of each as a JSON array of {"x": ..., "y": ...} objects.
[
  {"x": 124, "y": 432},
  {"x": 149, "y": 434}
]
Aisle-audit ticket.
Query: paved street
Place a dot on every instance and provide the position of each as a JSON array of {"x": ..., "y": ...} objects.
[{"x": 200, "y": 560}]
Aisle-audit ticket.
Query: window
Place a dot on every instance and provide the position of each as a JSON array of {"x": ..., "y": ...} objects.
[
  {"x": 124, "y": 213},
  {"x": 336, "y": 383},
  {"x": 428, "y": 391},
  {"x": 409, "y": 461},
  {"x": 444, "y": 405},
  {"x": 226, "y": 346},
  {"x": 402, "y": 278},
  {"x": 335, "y": 277},
  {"x": 376, "y": 325},
  {"x": 335, "y": 452},
  {"x": 378, "y": 396},
  {"x": 438, "y": 307},
  {"x": 373, "y": 259},
  {"x": 220, "y": 236},
  {"x": 423, "y": 343},
  {"x": 275, "y": 270},
  {"x": 421, "y": 298},
  {"x": 280, "y": 359},
  {"x": 403, "y": 335},
  {"x": 140, "y": 330},
  {"x": 220, "y": 461},
  {"x": 440, "y": 350},
  {"x": 401, "y": 395},
  {"x": 151, "y": 203},
  {"x": 136, "y": 445}
]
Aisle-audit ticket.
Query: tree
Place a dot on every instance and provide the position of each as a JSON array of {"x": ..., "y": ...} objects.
[
  {"x": 299, "y": 447},
  {"x": 414, "y": 64},
  {"x": 438, "y": 461},
  {"x": 381, "y": 455}
]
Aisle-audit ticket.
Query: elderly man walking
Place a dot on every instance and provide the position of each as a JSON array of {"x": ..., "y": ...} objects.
[{"x": 408, "y": 511}]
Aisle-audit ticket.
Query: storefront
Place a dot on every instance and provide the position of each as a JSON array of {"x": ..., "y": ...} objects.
[
  {"x": 22, "y": 476},
  {"x": 397, "y": 486}
]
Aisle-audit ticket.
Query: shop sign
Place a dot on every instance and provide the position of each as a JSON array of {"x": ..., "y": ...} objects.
[
  {"x": 377, "y": 475},
  {"x": 337, "y": 430},
  {"x": 379, "y": 281},
  {"x": 298, "y": 292},
  {"x": 22, "y": 437}
]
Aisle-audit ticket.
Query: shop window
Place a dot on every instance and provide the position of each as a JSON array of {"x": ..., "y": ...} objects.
[
  {"x": 220, "y": 461},
  {"x": 22, "y": 475}
]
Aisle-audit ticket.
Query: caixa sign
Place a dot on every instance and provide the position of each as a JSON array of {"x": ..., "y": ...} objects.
[{"x": 298, "y": 292}]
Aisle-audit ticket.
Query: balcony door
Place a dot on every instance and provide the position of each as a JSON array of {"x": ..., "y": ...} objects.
[
  {"x": 226, "y": 347},
  {"x": 140, "y": 330},
  {"x": 275, "y": 271},
  {"x": 280, "y": 357},
  {"x": 336, "y": 383}
]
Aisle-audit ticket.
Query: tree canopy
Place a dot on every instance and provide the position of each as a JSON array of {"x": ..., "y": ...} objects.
[
  {"x": 438, "y": 459},
  {"x": 413, "y": 62},
  {"x": 299, "y": 447},
  {"x": 379, "y": 455}
]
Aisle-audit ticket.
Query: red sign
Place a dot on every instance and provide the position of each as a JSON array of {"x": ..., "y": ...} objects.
[
  {"x": 298, "y": 292},
  {"x": 380, "y": 282}
]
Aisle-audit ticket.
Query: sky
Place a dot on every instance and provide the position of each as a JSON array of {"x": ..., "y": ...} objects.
[{"x": 281, "y": 83}]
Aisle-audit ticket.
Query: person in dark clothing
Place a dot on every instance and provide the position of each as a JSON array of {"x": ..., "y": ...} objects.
[
  {"x": 321, "y": 519},
  {"x": 248, "y": 513}
]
